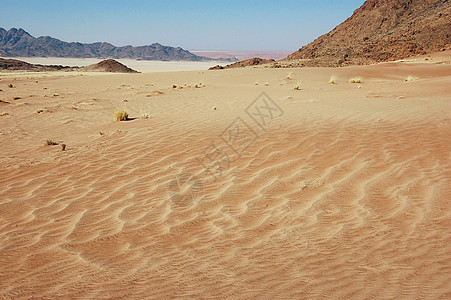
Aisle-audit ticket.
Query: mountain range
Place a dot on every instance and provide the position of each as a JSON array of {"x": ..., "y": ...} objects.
[{"x": 19, "y": 43}]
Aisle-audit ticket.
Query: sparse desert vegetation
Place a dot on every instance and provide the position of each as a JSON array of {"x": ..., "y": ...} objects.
[
  {"x": 145, "y": 114},
  {"x": 333, "y": 80},
  {"x": 297, "y": 87},
  {"x": 199, "y": 85},
  {"x": 50, "y": 142},
  {"x": 10, "y": 85},
  {"x": 356, "y": 79},
  {"x": 120, "y": 115},
  {"x": 411, "y": 78}
]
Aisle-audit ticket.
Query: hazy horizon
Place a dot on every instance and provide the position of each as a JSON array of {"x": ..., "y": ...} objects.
[{"x": 195, "y": 25}]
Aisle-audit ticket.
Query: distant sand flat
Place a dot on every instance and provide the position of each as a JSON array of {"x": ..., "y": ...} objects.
[
  {"x": 344, "y": 193},
  {"x": 144, "y": 66}
]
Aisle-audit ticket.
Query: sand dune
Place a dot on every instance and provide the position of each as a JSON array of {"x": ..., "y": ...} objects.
[{"x": 343, "y": 193}]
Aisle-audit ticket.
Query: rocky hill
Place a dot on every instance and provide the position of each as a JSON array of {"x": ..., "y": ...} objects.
[
  {"x": 19, "y": 43},
  {"x": 381, "y": 30},
  {"x": 245, "y": 63},
  {"x": 18, "y": 65},
  {"x": 108, "y": 65}
]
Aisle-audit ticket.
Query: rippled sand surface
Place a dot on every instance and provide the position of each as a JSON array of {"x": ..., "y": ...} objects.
[{"x": 330, "y": 191}]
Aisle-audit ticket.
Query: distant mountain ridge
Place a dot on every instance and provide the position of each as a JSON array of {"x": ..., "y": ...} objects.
[
  {"x": 381, "y": 30},
  {"x": 19, "y": 43}
]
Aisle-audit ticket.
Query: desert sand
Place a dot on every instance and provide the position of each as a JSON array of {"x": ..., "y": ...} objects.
[
  {"x": 330, "y": 191},
  {"x": 144, "y": 66}
]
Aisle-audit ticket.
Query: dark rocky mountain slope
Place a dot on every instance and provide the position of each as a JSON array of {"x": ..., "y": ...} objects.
[{"x": 382, "y": 30}]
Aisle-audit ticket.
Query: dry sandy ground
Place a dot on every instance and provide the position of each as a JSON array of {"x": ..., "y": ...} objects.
[{"x": 331, "y": 191}]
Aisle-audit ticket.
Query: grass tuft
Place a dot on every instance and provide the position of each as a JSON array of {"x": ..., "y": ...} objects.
[
  {"x": 50, "y": 142},
  {"x": 145, "y": 114},
  {"x": 356, "y": 80},
  {"x": 411, "y": 78},
  {"x": 120, "y": 115},
  {"x": 332, "y": 80},
  {"x": 297, "y": 87}
]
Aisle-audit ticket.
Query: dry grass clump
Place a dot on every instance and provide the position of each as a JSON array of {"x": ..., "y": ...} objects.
[
  {"x": 39, "y": 110},
  {"x": 332, "y": 80},
  {"x": 145, "y": 114},
  {"x": 155, "y": 93},
  {"x": 199, "y": 85},
  {"x": 357, "y": 79},
  {"x": 50, "y": 142},
  {"x": 3, "y": 114},
  {"x": 10, "y": 85},
  {"x": 120, "y": 115},
  {"x": 256, "y": 83},
  {"x": 289, "y": 76},
  {"x": 63, "y": 147},
  {"x": 411, "y": 78},
  {"x": 297, "y": 87}
]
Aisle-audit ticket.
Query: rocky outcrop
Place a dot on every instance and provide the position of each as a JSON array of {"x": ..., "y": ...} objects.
[
  {"x": 108, "y": 65},
  {"x": 245, "y": 63},
  {"x": 18, "y": 65}
]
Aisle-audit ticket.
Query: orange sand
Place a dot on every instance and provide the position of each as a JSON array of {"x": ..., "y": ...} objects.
[{"x": 344, "y": 193}]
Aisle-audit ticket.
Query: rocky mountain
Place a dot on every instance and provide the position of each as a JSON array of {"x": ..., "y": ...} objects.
[
  {"x": 107, "y": 65},
  {"x": 381, "y": 30},
  {"x": 19, "y": 43},
  {"x": 244, "y": 63}
]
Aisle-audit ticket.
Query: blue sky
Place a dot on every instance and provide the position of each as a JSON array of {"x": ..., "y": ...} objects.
[{"x": 196, "y": 25}]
